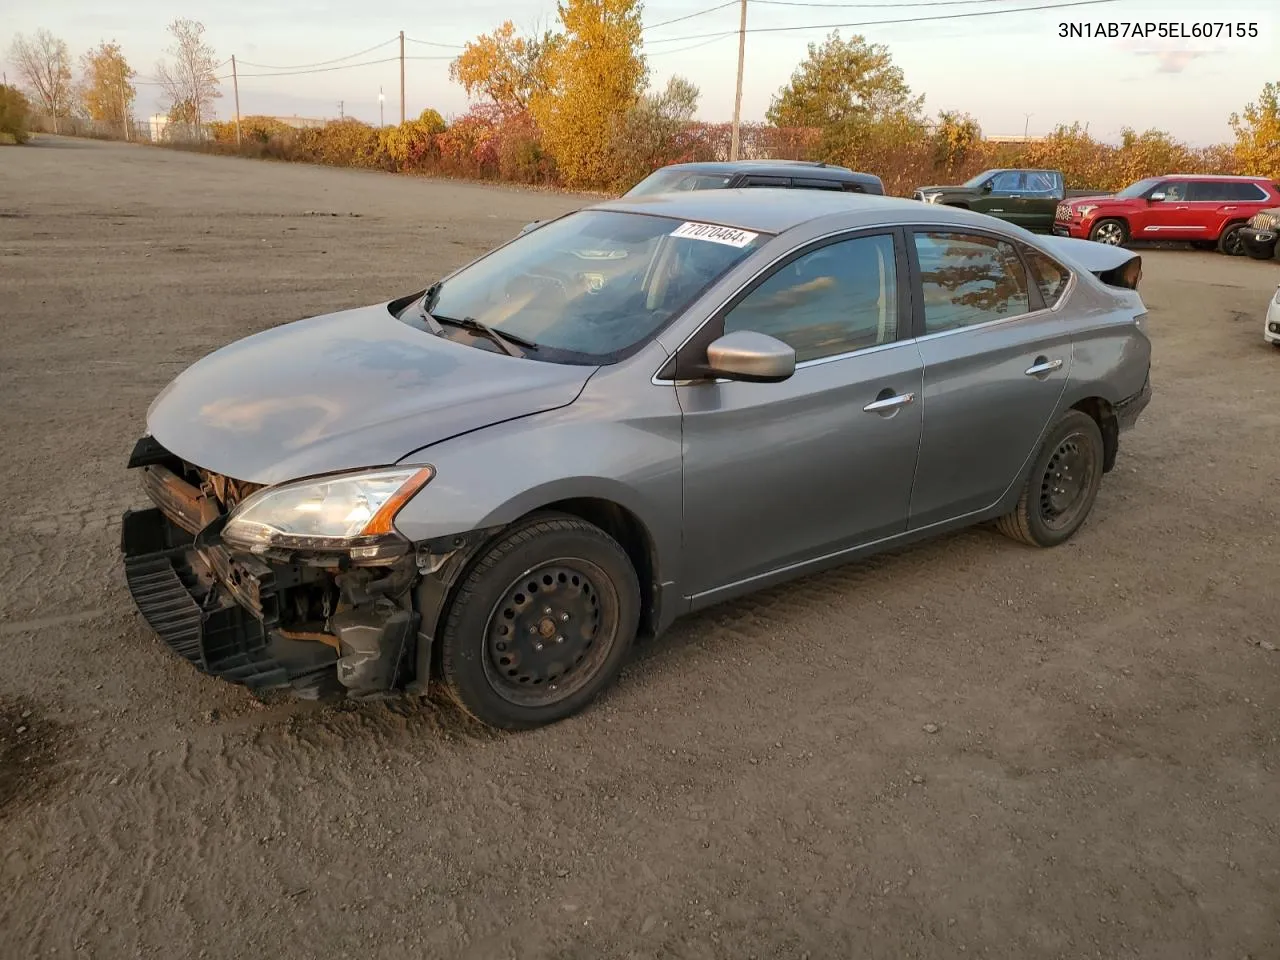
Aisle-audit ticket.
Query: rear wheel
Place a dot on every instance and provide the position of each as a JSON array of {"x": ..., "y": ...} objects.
[
  {"x": 1062, "y": 485},
  {"x": 540, "y": 624},
  {"x": 1111, "y": 232},
  {"x": 1230, "y": 242}
]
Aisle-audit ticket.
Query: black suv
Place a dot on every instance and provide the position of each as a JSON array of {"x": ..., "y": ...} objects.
[{"x": 725, "y": 175}]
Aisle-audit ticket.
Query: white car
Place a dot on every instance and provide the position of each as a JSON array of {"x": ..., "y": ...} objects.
[{"x": 1271, "y": 328}]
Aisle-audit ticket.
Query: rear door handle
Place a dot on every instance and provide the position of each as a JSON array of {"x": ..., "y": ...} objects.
[
  {"x": 1042, "y": 366},
  {"x": 885, "y": 404}
]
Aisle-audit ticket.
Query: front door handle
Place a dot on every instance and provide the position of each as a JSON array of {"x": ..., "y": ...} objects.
[
  {"x": 1042, "y": 366},
  {"x": 884, "y": 404}
]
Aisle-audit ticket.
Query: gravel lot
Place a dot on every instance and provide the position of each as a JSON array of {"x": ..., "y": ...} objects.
[{"x": 1101, "y": 779}]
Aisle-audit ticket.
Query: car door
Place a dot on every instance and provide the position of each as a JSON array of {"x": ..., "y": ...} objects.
[
  {"x": 996, "y": 362},
  {"x": 1167, "y": 218},
  {"x": 1041, "y": 193},
  {"x": 779, "y": 473},
  {"x": 1003, "y": 200}
]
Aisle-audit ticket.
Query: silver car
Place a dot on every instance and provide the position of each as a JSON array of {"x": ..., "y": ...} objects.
[{"x": 638, "y": 410}]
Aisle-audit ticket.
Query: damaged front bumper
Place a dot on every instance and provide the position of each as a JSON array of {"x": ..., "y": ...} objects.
[{"x": 313, "y": 625}]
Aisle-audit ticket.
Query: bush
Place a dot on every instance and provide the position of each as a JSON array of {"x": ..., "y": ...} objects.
[{"x": 14, "y": 115}]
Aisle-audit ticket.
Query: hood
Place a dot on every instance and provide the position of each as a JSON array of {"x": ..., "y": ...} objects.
[
  {"x": 954, "y": 189},
  {"x": 344, "y": 391}
]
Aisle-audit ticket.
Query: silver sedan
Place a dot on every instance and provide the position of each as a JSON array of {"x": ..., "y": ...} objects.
[{"x": 640, "y": 409}]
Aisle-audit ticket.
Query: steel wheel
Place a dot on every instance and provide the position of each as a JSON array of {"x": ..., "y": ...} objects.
[
  {"x": 1066, "y": 481},
  {"x": 540, "y": 623},
  {"x": 550, "y": 632},
  {"x": 1110, "y": 232}
]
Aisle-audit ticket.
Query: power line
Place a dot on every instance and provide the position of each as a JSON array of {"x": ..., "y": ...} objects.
[
  {"x": 695, "y": 46},
  {"x": 321, "y": 63},
  {"x": 345, "y": 66},
  {"x": 432, "y": 43},
  {"x": 690, "y": 16},
  {"x": 877, "y": 6},
  {"x": 877, "y": 23}
]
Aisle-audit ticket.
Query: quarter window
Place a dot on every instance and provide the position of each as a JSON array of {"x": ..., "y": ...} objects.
[
  {"x": 1049, "y": 275},
  {"x": 969, "y": 279},
  {"x": 1247, "y": 192},
  {"x": 836, "y": 299}
]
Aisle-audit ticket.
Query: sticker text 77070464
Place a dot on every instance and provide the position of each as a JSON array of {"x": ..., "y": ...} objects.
[{"x": 730, "y": 236}]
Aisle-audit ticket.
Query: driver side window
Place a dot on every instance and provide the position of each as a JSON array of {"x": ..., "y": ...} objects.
[
  {"x": 835, "y": 299},
  {"x": 1175, "y": 190},
  {"x": 1008, "y": 182}
]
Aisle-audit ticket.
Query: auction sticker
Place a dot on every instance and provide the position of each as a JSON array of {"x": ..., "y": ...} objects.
[{"x": 730, "y": 236}]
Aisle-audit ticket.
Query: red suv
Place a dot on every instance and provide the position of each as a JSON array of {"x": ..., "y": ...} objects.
[{"x": 1207, "y": 211}]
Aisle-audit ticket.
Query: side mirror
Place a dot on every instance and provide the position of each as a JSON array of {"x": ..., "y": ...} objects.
[
  {"x": 1156, "y": 197},
  {"x": 987, "y": 187},
  {"x": 752, "y": 357}
]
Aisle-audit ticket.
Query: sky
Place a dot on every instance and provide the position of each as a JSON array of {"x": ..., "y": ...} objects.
[{"x": 1010, "y": 70}]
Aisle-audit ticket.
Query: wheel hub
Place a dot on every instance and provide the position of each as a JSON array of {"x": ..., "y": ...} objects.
[
  {"x": 1065, "y": 481},
  {"x": 542, "y": 631}
]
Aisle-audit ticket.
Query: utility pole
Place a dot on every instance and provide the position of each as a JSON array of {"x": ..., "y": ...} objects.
[
  {"x": 737, "y": 98},
  {"x": 382, "y": 108},
  {"x": 402, "y": 76},
  {"x": 341, "y": 114},
  {"x": 124, "y": 110},
  {"x": 1026, "y": 126},
  {"x": 235, "y": 85}
]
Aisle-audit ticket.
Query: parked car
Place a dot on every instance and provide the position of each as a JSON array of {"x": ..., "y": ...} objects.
[
  {"x": 729, "y": 175},
  {"x": 1259, "y": 234},
  {"x": 497, "y": 482},
  {"x": 1207, "y": 211},
  {"x": 1026, "y": 197},
  {"x": 1271, "y": 326}
]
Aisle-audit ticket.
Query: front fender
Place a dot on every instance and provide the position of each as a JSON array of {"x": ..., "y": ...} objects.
[{"x": 492, "y": 477}]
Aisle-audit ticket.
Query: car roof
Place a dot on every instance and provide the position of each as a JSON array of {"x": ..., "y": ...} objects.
[
  {"x": 1208, "y": 176},
  {"x": 775, "y": 211},
  {"x": 780, "y": 167}
]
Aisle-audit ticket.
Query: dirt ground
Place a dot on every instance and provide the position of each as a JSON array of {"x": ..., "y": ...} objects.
[{"x": 1102, "y": 779}]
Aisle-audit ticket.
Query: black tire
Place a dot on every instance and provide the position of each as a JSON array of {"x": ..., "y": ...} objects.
[
  {"x": 1110, "y": 231},
  {"x": 501, "y": 657},
  {"x": 1037, "y": 520},
  {"x": 1230, "y": 242}
]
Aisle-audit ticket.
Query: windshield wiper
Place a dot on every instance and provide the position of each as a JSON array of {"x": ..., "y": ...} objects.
[
  {"x": 425, "y": 307},
  {"x": 507, "y": 341}
]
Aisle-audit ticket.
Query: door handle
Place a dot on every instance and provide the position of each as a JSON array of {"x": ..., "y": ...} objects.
[
  {"x": 1042, "y": 366},
  {"x": 885, "y": 404}
]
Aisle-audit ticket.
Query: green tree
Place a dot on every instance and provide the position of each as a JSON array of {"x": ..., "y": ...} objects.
[
  {"x": 844, "y": 82},
  {"x": 507, "y": 69},
  {"x": 595, "y": 75},
  {"x": 13, "y": 114},
  {"x": 955, "y": 137},
  {"x": 1257, "y": 132},
  {"x": 108, "y": 95},
  {"x": 651, "y": 133}
]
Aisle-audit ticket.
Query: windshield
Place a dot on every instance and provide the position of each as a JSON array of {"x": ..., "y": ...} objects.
[
  {"x": 592, "y": 285},
  {"x": 977, "y": 181},
  {"x": 1137, "y": 189},
  {"x": 669, "y": 181}
]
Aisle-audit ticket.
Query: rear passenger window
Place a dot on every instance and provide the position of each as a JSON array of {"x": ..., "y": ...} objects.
[
  {"x": 969, "y": 279},
  {"x": 1049, "y": 275}
]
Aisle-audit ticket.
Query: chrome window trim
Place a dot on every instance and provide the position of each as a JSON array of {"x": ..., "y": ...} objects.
[{"x": 869, "y": 228}]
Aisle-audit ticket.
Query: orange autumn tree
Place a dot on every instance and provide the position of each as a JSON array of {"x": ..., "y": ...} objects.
[
  {"x": 507, "y": 69},
  {"x": 1257, "y": 131},
  {"x": 595, "y": 75},
  {"x": 108, "y": 95}
]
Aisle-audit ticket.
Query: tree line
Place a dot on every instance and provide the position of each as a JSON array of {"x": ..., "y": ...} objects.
[{"x": 574, "y": 105}]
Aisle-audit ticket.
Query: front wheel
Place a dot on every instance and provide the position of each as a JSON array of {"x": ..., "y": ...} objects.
[
  {"x": 540, "y": 624},
  {"x": 1111, "y": 232},
  {"x": 1062, "y": 485}
]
